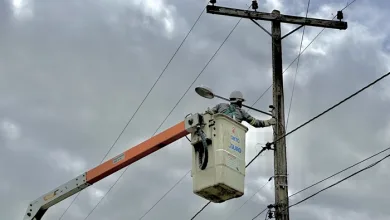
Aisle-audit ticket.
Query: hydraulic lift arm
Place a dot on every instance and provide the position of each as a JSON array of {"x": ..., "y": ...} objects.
[{"x": 38, "y": 207}]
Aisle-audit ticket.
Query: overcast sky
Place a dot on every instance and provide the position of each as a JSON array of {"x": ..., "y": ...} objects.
[{"x": 74, "y": 71}]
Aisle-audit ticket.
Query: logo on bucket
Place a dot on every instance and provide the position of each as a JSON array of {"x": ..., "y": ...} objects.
[{"x": 235, "y": 148}]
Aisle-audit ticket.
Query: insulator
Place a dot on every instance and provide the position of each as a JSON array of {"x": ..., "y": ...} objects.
[
  {"x": 340, "y": 15},
  {"x": 213, "y": 1},
  {"x": 255, "y": 5}
]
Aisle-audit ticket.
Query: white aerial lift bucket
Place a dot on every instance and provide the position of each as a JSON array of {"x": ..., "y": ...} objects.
[{"x": 218, "y": 174}]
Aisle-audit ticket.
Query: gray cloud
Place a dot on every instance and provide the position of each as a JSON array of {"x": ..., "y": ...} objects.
[{"x": 73, "y": 73}]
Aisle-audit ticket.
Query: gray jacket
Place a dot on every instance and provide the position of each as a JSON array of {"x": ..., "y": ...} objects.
[{"x": 235, "y": 112}]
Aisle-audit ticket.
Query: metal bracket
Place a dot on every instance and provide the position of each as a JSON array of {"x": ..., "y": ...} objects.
[
  {"x": 259, "y": 25},
  {"x": 37, "y": 208},
  {"x": 268, "y": 146},
  {"x": 193, "y": 121},
  {"x": 285, "y": 175},
  {"x": 283, "y": 186},
  {"x": 288, "y": 34},
  {"x": 270, "y": 206}
]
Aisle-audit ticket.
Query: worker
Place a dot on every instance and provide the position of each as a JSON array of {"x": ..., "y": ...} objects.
[{"x": 235, "y": 111}]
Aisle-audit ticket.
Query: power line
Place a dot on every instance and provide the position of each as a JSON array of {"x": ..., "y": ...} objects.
[
  {"x": 147, "y": 95},
  {"x": 329, "y": 109},
  {"x": 185, "y": 38},
  {"x": 302, "y": 52},
  {"x": 164, "y": 195},
  {"x": 194, "y": 82},
  {"x": 343, "y": 170},
  {"x": 264, "y": 148},
  {"x": 188, "y": 90},
  {"x": 342, "y": 180},
  {"x": 212, "y": 57},
  {"x": 309, "y": 121},
  {"x": 269, "y": 180},
  {"x": 331, "y": 177},
  {"x": 170, "y": 111},
  {"x": 260, "y": 213},
  {"x": 334, "y": 106},
  {"x": 296, "y": 70}
]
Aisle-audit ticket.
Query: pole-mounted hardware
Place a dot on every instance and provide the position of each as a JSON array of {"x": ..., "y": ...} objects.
[
  {"x": 255, "y": 5},
  {"x": 340, "y": 15}
]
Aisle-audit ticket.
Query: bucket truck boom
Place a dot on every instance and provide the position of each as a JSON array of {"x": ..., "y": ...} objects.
[
  {"x": 38, "y": 207},
  {"x": 218, "y": 161}
]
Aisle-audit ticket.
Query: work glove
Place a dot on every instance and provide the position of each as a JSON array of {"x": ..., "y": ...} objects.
[{"x": 269, "y": 122}]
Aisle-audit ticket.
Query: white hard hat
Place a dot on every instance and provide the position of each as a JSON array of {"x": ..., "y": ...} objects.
[{"x": 236, "y": 96}]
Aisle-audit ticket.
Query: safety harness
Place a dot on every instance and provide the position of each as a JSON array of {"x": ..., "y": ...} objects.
[{"x": 231, "y": 111}]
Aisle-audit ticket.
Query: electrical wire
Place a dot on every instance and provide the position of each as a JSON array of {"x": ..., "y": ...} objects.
[
  {"x": 150, "y": 209},
  {"x": 179, "y": 181},
  {"x": 216, "y": 52},
  {"x": 266, "y": 215},
  {"x": 185, "y": 38},
  {"x": 302, "y": 124},
  {"x": 176, "y": 106},
  {"x": 269, "y": 180},
  {"x": 260, "y": 213},
  {"x": 170, "y": 113},
  {"x": 343, "y": 170},
  {"x": 342, "y": 180},
  {"x": 261, "y": 96},
  {"x": 334, "y": 106},
  {"x": 198, "y": 76},
  {"x": 165, "y": 194},
  {"x": 329, "y": 109},
  {"x": 147, "y": 95},
  {"x": 310, "y": 119},
  {"x": 296, "y": 70}
]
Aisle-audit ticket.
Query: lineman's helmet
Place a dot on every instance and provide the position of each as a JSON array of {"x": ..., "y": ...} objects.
[{"x": 236, "y": 96}]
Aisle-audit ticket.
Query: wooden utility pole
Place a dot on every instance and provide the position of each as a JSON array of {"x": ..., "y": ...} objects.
[{"x": 280, "y": 158}]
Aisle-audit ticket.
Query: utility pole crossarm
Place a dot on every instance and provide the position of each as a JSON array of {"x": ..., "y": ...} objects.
[{"x": 212, "y": 9}]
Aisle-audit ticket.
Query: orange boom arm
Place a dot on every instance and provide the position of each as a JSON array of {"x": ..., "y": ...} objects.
[
  {"x": 38, "y": 207},
  {"x": 138, "y": 152}
]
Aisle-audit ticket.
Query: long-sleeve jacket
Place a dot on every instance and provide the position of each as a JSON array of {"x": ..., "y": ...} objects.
[{"x": 235, "y": 112}]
